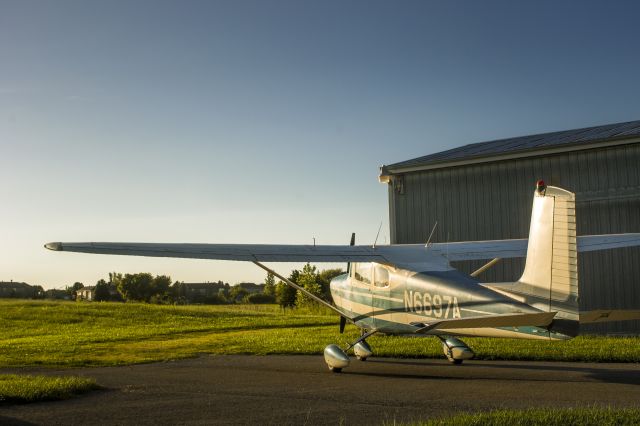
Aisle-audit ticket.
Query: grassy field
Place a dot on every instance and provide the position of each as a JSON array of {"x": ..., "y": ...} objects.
[
  {"x": 23, "y": 389},
  {"x": 543, "y": 417},
  {"x": 91, "y": 334}
]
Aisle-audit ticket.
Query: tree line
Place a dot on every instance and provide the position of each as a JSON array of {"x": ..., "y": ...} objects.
[{"x": 145, "y": 287}]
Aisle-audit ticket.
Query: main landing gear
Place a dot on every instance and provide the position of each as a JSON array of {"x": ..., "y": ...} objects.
[
  {"x": 455, "y": 350},
  {"x": 337, "y": 359}
]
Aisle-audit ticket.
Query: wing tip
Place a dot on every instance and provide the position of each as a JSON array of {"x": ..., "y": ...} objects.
[{"x": 53, "y": 246}]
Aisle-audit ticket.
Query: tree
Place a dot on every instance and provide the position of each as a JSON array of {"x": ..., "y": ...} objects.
[
  {"x": 285, "y": 294},
  {"x": 308, "y": 280},
  {"x": 324, "y": 279},
  {"x": 160, "y": 288},
  {"x": 143, "y": 287},
  {"x": 269, "y": 285},
  {"x": 73, "y": 290},
  {"x": 38, "y": 292},
  {"x": 237, "y": 293},
  {"x": 223, "y": 294},
  {"x": 101, "y": 292},
  {"x": 135, "y": 287},
  {"x": 178, "y": 293},
  {"x": 115, "y": 278}
]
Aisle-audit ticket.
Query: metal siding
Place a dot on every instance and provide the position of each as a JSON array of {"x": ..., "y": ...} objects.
[{"x": 493, "y": 201}]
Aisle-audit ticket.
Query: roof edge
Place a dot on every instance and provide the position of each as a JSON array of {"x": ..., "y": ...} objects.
[{"x": 386, "y": 171}]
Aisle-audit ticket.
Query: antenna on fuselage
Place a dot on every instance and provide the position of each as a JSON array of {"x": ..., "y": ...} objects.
[
  {"x": 377, "y": 235},
  {"x": 431, "y": 234}
]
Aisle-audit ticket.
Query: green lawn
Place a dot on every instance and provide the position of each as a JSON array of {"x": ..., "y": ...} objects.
[
  {"x": 22, "y": 389},
  {"x": 90, "y": 334},
  {"x": 543, "y": 417}
]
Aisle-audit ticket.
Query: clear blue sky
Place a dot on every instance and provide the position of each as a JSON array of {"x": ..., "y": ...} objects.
[{"x": 266, "y": 121}]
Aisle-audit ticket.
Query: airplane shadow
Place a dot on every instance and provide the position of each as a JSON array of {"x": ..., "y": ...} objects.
[{"x": 480, "y": 370}]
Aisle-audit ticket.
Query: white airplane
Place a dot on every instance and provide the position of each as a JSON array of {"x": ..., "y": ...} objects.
[{"x": 413, "y": 290}]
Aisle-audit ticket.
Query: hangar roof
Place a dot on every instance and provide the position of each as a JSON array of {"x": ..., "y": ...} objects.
[{"x": 523, "y": 146}]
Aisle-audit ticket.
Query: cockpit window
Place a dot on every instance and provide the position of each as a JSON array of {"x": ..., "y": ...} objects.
[
  {"x": 381, "y": 276},
  {"x": 363, "y": 272}
]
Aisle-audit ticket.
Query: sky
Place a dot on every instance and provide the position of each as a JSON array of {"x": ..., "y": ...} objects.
[{"x": 267, "y": 121}]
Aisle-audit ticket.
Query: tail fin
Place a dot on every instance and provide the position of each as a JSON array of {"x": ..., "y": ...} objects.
[
  {"x": 550, "y": 278},
  {"x": 551, "y": 269}
]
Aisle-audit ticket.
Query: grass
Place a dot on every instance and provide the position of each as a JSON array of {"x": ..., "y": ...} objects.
[
  {"x": 42, "y": 333},
  {"x": 542, "y": 416},
  {"x": 23, "y": 388}
]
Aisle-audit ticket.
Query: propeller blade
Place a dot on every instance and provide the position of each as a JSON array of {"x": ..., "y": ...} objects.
[
  {"x": 343, "y": 322},
  {"x": 351, "y": 243}
]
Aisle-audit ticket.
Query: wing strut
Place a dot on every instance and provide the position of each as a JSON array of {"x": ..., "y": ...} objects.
[
  {"x": 305, "y": 291},
  {"x": 485, "y": 267}
]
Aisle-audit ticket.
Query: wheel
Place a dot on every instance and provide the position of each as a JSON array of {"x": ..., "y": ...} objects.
[
  {"x": 361, "y": 358},
  {"x": 455, "y": 361},
  {"x": 335, "y": 369}
]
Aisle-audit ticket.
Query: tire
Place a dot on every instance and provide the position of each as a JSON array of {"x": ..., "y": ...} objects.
[
  {"x": 335, "y": 369},
  {"x": 361, "y": 359},
  {"x": 455, "y": 361}
]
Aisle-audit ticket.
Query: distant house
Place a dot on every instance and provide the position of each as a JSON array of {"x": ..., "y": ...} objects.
[
  {"x": 252, "y": 287},
  {"x": 19, "y": 290},
  {"x": 199, "y": 292},
  {"x": 57, "y": 294},
  {"x": 89, "y": 293},
  {"x": 86, "y": 293}
]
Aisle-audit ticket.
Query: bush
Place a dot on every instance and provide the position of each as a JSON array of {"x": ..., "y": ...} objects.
[
  {"x": 260, "y": 298},
  {"x": 214, "y": 299}
]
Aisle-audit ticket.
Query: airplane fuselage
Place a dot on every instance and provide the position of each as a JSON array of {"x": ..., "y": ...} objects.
[{"x": 398, "y": 301}]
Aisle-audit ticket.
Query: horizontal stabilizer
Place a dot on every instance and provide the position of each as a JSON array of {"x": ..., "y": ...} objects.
[
  {"x": 541, "y": 319},
  {"x": 607, "y": 315},
  {"x": 606, "y": 242}
]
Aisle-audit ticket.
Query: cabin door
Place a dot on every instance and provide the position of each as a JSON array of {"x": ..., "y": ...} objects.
[
  {"x": 362, "y": 293},
  {"x": 380, "y": 292}
]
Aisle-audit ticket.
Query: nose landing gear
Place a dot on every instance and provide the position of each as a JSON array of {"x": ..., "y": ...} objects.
[{"x": 337, "y": 359}]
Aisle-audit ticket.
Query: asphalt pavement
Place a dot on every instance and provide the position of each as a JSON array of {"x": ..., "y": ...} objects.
[{"x": 300, "y": 390}]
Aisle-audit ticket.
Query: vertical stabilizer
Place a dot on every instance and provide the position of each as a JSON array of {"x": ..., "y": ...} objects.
[
  {"x": 550, "y": 278},
  {"x": 551, "y": 269}
]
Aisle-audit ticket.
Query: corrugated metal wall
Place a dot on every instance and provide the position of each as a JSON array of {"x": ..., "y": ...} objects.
[{"x": 493, "y": 201}]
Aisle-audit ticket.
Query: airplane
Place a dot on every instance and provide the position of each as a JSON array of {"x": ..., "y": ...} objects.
[{"x": 412, "y": 289}]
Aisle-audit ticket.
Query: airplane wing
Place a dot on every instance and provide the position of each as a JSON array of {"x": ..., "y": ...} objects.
[
  {"x": 413, "y": 256},
  {"x": 541, "y": 319},
  {"x": 503, "y": 249},
  {"x": 242, "y": 252},
  {"x": 606, "y": 315}
]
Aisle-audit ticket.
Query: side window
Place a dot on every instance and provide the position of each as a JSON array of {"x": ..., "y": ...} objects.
[
  {"x": 363, "y": 272},
  {"x": 381, "y": 277}
]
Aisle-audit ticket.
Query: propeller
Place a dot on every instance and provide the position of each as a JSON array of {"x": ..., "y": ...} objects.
[{"x": 351, "y": 243}]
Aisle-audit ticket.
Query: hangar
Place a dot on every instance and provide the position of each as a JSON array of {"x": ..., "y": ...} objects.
[{"x": 483, "y": 191}]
